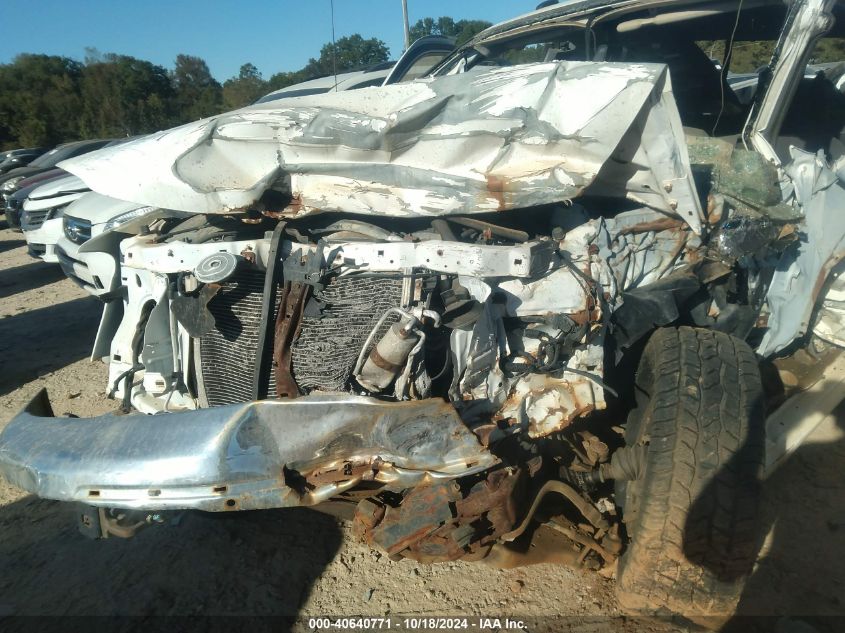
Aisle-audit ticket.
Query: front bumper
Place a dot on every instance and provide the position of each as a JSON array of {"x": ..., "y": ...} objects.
[
  {"x": 75, "y": 269},
  {"x": 42, "y": 240},
  {"x": 95, "y": 271},
  {"x": 263, "y": 454}
]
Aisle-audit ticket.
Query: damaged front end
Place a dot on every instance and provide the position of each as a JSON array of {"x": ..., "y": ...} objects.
[{"x": 406, "y": 300}]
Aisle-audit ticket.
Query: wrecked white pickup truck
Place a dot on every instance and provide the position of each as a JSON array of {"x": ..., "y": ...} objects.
[{"x": 535, "y": 287}]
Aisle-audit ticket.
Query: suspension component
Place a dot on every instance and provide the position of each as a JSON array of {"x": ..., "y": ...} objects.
[{"x": 626, "y": 464}]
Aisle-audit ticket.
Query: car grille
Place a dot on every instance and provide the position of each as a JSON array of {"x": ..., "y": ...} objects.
[
  {"x": 76, "y": 230},
  {"x": 323, "y": 355},
  {"x": 31, "y": 220}
]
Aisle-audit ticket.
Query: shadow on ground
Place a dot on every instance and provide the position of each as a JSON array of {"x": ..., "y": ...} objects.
[
  {"x": 798, "y": 583},
  {"x": 801, "y": 577},
  {"x": 7, "y": 245},
  {"x": 46, "y": 339},
  {"x": 247, "y": 563},
  {"x": 27, "y": 277}
]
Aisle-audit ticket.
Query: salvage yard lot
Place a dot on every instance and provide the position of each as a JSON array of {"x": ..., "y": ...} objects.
[{"x": 302, "y": 562}]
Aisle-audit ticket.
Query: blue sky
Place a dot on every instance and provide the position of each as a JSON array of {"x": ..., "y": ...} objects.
[{"x": 274, "y": 35}]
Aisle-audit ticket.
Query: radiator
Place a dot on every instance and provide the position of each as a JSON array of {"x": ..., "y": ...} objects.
[
  {"x": 324, "y": 354},
  {"x": 227, "y": 353}
]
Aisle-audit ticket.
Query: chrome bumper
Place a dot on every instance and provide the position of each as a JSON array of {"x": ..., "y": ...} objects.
[{"x": 263, "y": 454}]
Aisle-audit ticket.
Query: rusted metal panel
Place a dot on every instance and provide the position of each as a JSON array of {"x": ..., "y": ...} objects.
[{"x": 445, "y": 521}]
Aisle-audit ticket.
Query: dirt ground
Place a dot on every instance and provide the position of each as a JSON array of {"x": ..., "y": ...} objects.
[{"x": 306, "y": 563}]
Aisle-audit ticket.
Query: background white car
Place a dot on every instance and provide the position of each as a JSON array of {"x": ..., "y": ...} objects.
[
  {"x": 88, "y": 217},
  {"x": 41, "y": 219}
]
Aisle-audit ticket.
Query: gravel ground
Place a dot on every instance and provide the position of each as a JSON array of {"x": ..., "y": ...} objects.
[{"x": 306, "y": 563}]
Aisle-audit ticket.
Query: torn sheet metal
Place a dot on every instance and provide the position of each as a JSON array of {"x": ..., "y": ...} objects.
[
  {"x": 540, "y": 403},
  {"x": 488, "y": 140},
  {"x": 804, "y": 267},
  {"x": 477, "y": 358},
  {"x": 546, "y": 403},
  {"x": 640, "y": 247},
  {"x": 265, "y": 454},
  {"x": 633, "y": 249},
  {"x": 564, "y": 290}
]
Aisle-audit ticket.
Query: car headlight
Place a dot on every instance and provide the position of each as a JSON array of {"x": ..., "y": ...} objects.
[
  {"x": 11, "y": 184},
  {"x": 125, "y": 217}
]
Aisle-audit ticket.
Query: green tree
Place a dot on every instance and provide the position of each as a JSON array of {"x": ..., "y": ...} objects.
[
  {"x": 39, "y": 100},
  {"x": 244, "y": 89},
  {"x": 285, "y": 79},
  {"x": 462, "y": 30},
  {"x": 197, "y": 94},
  {"x": 350, "y": 52},
  {"x": 123, "y": 96}
]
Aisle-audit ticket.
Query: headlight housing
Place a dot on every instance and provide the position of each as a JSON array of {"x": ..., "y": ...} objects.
[
  {"x": 12, "y": 183},
  {"x": 125, "y": 217}
]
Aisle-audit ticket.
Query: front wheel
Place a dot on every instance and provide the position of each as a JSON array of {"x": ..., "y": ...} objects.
[{"x": 692, "y": 515}]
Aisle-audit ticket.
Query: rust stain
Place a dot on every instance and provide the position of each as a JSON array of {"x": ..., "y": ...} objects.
[
  {"x": 825, "y": 272},
  {"x": 496, "y": 187},
  {"x": 445, "y": 521},
  {"x": 692, "y": 255},
  {"x": 714, "y": 210},
  {"x": 341, "y": 472},
  {"x": 664, "y": 224},
  {"x": 590, "y": 315},
  {"x": 294, "y": 207},
  {"x": 249, "y": 255}
]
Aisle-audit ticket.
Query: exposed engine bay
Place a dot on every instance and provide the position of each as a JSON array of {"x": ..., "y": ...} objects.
[{"x": 357, "y": 308}]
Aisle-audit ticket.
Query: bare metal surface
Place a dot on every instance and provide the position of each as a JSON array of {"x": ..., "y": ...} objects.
[{"x": 239, "y": 456}]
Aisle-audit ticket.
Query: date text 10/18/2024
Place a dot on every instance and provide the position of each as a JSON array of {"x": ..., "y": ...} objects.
[{"x": 414, "y": 624}]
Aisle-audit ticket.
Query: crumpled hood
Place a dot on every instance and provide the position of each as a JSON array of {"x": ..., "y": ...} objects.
[{"x": 483, "y": 141}]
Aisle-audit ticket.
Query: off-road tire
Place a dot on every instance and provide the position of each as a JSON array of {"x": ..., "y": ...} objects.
[{"x": 692, "y": 515}]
